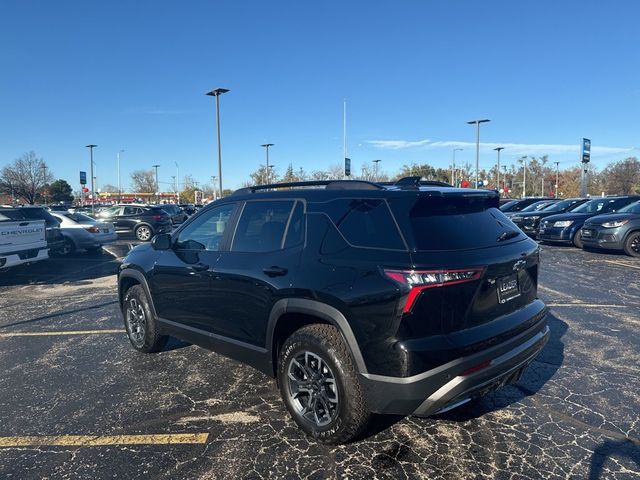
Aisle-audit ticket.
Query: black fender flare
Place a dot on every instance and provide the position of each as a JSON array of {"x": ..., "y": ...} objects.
[
  {"x": 321, "y": 310},
  {"x": 142, "y": 280}
]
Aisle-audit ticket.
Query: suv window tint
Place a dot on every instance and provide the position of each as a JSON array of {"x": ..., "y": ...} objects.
[
  {"x": 132, "y": 211},
  {"x": 457, "y": 223},
  {"x": 206, "y": 231},
  {"x": 367, "y": 223},
  {"x": 261, "y": 226},
  {"x": 296, "y": 230}
]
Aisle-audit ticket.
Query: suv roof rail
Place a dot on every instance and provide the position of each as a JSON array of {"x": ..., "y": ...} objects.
[{"x": 328, "y": 184}]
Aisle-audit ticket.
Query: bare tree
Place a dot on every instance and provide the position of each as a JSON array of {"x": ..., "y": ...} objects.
[
  {"x": 143, "y": 181},
  {"x": 25, "y": 178},
  {"x": 623, "y": 177}
]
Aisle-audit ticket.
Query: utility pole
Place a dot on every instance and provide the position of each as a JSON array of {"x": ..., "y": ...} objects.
[
  {"x": 178, "y": 181},
  {"x": 93, "y": 191},
  {"x": 524, "y": 178},
  {"x": 157, "y": 185},
  {"x": 477, "y": 124},
  {"x": 453, "y": 166},
  {"x": 557, "y": 176},
  {"x": 266, "y": 147},
  {"x": 44, "y": 182},
  {"x": 344, "y": 132},
  {"x": 498, "y": 149},
  {"x": 119, "y": 184},
  {"x": 375, "y": 170},
  {"x": 216, "y": 92}
]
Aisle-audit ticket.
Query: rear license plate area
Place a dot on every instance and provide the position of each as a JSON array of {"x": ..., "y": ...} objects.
[{"x": 508, "y": 288}]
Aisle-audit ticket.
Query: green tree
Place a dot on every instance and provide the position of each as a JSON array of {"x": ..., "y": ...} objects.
[
  {"x": 622, "y": 177},
  {"x": 60, "y": 191}
]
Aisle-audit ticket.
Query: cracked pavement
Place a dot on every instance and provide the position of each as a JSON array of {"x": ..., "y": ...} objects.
[{"x": 574, "y": 414}]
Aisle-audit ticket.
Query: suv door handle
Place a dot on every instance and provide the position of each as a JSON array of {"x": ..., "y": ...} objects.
[
  {"x": 275, "y": 271},
  {"x": 199, "y": 267}
]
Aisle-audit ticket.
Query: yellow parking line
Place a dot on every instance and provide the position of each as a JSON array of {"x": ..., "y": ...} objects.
[
  {"x": 63, "y": 332},
  {"x": 584, "y": 305},
  {"x": 622, "y": 264},
  {"x": 102, "y": 440}
]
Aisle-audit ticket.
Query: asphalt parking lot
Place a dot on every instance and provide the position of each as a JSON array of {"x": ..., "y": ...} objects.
[{"x": 77, "y": 402}]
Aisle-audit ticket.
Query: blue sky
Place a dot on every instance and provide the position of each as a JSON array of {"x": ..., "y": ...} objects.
[{"x": 132, "y": 75}]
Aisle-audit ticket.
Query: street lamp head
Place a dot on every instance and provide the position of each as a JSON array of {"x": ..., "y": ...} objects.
[
  {"x": 155, "y": 166},
  {"x": 473, "y": 122},
  {"x": 267, "y": 145},
  {"x": 497, "y": 149},
  {"x": 217, "y": 92},
  {"x": 91, "y": 145},
  {"x": 458, "y": 149}
]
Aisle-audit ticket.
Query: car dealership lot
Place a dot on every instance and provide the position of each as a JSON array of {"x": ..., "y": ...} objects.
[{"x": 77, "y": 401}]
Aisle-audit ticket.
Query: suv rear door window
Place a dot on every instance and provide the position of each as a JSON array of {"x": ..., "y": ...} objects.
[
  {"x": 367, "y": 223},
  {"x": 262, "y": 226}
]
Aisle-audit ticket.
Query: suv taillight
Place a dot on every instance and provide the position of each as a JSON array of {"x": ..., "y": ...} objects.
[
  {"x": 92, "y": 229},
  {"x": 419, "y": 280},
  {"x": 157, "y": 218}
]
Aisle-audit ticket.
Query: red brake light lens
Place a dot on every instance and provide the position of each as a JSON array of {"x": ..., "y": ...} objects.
[
  {"x": 157, "y": 218},
  {"x": 92, "y": 229},
  {"x": 419, "y": 280}
]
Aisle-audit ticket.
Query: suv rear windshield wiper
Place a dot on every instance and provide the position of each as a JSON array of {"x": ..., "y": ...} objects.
[{"x": 508, "y": 235}]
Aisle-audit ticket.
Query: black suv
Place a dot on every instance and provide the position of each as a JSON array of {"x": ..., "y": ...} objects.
[
  {"x": 143, "y": 221},
  {"x": 357, "y": 297}
]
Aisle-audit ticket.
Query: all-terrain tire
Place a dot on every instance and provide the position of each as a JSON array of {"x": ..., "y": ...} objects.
[
  {"x": 350, "y": 415},
  {"x": 142, "y": 327}
]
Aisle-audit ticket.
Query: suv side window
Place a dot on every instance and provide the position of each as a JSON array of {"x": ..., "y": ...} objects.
[
  {"x": 130, "y": 211},
  {"x": 207, "y": 230},
  {"x": 262, "y": 226},
  {"x": 297, "y": 227},
  {"x": 368, "y": 223}
]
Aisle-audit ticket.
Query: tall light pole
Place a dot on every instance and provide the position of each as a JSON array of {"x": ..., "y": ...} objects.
[
  {"x": 498, "y": 149},
  {"x": 266, "y": 147},
  {"x": 178, "y": 181},
  {"x": 453, "y": 166},
  {"x": 375, "y": 170},
  {"x": 216, "y": 92},
  {"x": 93, "y": 191},
  {"x": 557, "y": 176},
  {"x": 44, "y": 182},
  {"x": 524, "y": 178},
  {"x": 157, "y": 186},
  {"x": 477, "y": 124},
  {"x": 119, "y": 184}
]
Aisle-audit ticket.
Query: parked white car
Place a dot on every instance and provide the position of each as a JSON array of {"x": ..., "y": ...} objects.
[
  {"x": 21, "y": 241},
  {"x": 82, "y": 232}
]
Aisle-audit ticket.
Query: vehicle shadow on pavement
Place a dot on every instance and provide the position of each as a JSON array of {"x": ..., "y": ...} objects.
[
  {"x": 175, "y": 344},
  {"x": 612, "y": 448},
  {"x": 541, "y": 370},
  {"x": 58, "y": 270}
]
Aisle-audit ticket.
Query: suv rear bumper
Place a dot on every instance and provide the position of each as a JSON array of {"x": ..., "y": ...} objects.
[{"x": 456, "y": 382}]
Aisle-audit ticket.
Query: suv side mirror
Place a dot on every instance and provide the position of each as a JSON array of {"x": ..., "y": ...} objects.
[{"x": 162, "y": 241}]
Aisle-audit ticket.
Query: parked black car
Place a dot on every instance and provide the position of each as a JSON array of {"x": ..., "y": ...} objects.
[
  {"x": 358, "y": 297},
  {"x": 530, "y": 221},
  {"x": 55, "y": 240},
  {"x": 565, "y": 227},
  {"x": 143, "y": 221},
  {"x": 616, "y": 231},
  {"x": 519, "y": 205},
  {"x": 188, "y": 208},
  {"x": 175, "y": 212}
]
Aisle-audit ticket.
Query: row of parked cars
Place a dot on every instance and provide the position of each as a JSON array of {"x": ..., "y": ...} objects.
[
  {"x": 611, "y": 223},
  {"x": 32, "y": 233}
]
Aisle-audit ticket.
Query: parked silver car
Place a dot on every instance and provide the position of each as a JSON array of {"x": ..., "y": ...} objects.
[{"x": 83, "y": 232}]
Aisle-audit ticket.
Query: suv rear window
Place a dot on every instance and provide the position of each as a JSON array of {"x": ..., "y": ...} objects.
[{"x": 457, "y": 223}]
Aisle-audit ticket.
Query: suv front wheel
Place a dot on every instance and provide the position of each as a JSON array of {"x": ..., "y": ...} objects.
[
  {"x": 142, "y": 328},
  {"x": 319, "y": 384}
]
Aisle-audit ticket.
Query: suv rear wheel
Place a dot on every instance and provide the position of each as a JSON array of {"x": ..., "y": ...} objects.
[
  {"x": 632, "y": 244},
  {"x": 142, "y": 328},
  {"x": 319, "y": 384},
  {"x": 143, "y": 233}
]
